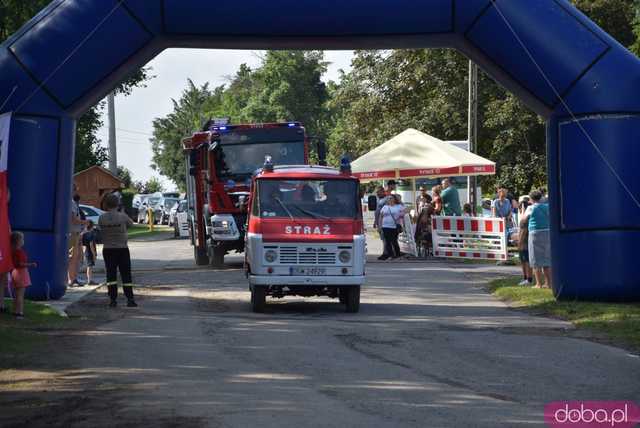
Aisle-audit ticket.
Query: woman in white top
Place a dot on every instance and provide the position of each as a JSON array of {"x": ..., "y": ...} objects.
[{"x": 390, "y": 215}]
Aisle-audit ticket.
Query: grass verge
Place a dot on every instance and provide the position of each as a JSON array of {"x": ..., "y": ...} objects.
[
  {"x": 141, "y": 231},
  {"x": 20, "y": 336},
  {"x": 619, "y": 323}
]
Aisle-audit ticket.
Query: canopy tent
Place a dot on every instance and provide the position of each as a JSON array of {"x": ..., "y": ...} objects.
[{"x": 414, "y": 154}]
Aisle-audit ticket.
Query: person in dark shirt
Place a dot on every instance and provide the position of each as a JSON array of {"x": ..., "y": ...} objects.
[
  {"x": 113, "y": 227},
  {"x": 88, "y": 239}
]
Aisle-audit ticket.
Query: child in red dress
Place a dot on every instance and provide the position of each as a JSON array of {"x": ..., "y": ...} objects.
[{"x": 20, "y": 274}]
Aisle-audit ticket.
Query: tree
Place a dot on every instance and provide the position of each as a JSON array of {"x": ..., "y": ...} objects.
[
  {"x": 289, "y": 87},
  {"x": 153, "y": 185},
  {"x": 189, "y": 114},
  {"x": 14, "y": 13},
  {"x": 125, "y": 175}
]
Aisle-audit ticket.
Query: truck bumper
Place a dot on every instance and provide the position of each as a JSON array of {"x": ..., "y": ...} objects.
[{"x": 306, "y": 280}]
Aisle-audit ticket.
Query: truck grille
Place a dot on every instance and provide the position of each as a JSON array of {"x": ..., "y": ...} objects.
[{"x": 296, "y": 256}]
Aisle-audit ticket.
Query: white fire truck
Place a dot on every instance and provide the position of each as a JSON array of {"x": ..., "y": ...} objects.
[{"x": 305, "y": 234}]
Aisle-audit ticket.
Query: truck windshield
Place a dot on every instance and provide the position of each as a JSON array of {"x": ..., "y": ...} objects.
[
  {"x": 245, "y": 159},
  {"x": 318, "y": 199}
]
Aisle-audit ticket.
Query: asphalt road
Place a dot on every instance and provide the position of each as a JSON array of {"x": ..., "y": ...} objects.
[{"x": 430, "y": 348}]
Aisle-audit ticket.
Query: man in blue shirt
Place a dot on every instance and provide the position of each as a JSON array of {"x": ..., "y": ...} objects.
[{"x": 450, "y": 199}]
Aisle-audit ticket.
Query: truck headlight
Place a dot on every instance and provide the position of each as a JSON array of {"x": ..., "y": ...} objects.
[
  {"x": 344, "y": 256},
  {"x": 270, "y": 256}
]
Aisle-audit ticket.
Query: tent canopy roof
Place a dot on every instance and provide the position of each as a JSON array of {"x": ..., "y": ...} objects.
[{"x": 414, "y": 154}]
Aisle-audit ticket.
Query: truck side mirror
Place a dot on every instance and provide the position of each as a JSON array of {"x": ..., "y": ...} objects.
[{"x": 372, "y": 202}]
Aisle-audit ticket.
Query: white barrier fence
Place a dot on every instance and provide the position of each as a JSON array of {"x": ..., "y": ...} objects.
[{"x": 469, "y": 238}]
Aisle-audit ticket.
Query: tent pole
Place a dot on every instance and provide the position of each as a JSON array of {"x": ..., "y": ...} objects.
[
  {"x": 473, "y": 132},
  {"x": 415, "y": 206}
]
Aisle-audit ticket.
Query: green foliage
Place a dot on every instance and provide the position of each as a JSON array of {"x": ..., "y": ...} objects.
[
  {"x": 190, "y": 112},
  {"x": 286, "y": 87},
  {"x": 14, "y": 13},
  {"x": 619, "y": 322},
  {"x": 153, "y": 185},
  {"x": 127, "y": 197},
  {"x": 125, "y": 175}
]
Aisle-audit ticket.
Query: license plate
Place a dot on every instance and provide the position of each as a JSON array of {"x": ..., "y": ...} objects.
[{"x": 308, "y": 271}]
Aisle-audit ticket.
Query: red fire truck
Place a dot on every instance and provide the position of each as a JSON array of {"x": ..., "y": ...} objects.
[
  {"x": 306, "y": 234},
  {"x": 220, "y": 163}
]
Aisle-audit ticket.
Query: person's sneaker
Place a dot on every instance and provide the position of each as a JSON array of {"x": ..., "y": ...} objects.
[
  {"x": 132, "y": 304},
  {"x": 383, "y": 257},
  {"x": 113, "y": 304},
  {"x": 19, "y": 316},
  {"x": 523, "y": 282}
]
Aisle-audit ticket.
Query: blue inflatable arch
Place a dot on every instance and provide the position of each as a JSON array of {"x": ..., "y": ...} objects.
[{"x": 548, "y": 53}]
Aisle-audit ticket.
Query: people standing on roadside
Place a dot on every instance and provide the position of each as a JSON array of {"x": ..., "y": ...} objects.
[
  {"x": 382, "y": 201},
  {"x": 523, "y": 243},
  {"x": 113, "y": 226},
  {"x": 389, "y": 216},
  {"x": 423, "y": 236},
  {"x": 76, "y": 225},
  {"x": 423, "y": 200},
  {"x": 501, "y": 206},
  {"x": 450, "y": 199},
  {"x": 437, "y": 200},
  {"x": 20, "y": 277},
  {"x": 537, "y": 216},
  {"x": 90, "y": 254}
]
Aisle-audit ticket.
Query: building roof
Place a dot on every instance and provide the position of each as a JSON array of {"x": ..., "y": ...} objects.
[{"x": 100, "y": 169}]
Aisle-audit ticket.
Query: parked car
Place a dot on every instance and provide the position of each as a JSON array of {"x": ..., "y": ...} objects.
[
  {"x": 179, "y": 206},
  {"x": 181, "y": 225},
  {"x": 91, "y": 213},
  {"x": 137, "y": 207},
  {"x": 166, "y": 204},
  {"x": 153, "y": 202}
]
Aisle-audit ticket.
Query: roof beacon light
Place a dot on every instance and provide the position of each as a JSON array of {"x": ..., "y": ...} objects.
[
  {"x": 345, "y": 165},
  {"x": 292, "y": 125},
  {"x": 268, "y": 164}
]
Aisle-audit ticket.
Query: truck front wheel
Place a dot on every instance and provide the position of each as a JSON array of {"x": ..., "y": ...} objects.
[
  {"x": 352, "y": 299},
  {"x": 258, "y": 298}
]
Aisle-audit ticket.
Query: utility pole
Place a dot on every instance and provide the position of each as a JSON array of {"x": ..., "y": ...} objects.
[
  {"x": 113, "y": 156},
  {"x": 473, "y": 131}
]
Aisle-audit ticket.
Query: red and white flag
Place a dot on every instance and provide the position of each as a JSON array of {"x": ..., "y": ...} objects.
[{"x": 6, "y": 263}]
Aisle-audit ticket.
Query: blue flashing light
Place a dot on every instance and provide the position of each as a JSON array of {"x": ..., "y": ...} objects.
[
  {"x": 223, "y": 128},
  {"x": 292, "y": 125},
  {"x": 345, "y": 165}
]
